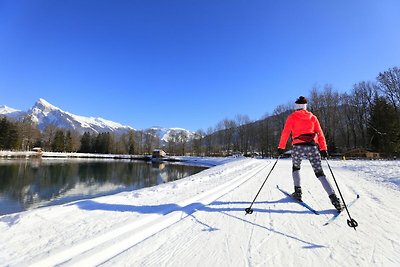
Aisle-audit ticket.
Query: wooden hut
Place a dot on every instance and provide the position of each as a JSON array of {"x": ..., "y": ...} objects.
[
  {"x": 158, "y": 153},
  {"x": 361, "y": 153}
]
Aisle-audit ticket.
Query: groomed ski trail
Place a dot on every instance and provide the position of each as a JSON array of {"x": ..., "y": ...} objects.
[
  {"x": 278, "y": 233},
  {"x": 99, "y": 249}
]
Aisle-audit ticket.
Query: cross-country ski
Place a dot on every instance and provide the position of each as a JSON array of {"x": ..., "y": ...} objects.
[
  {"x": 298, "y": 201},
  {"x": 337, "y": 214}
]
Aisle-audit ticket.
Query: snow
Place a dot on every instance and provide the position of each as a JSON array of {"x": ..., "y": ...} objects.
[
  {"x": 10, "y": 112},
  {"x": 200, "y": 221},
  {"x": 43, "y": 113},
  {"x": 46, "y": 107},
  {"x": 165, "y": 133},
  {"x": 5, "y": 110},
  {"x": 88, "y": 122},
  {"x": 373, "y": 170}
]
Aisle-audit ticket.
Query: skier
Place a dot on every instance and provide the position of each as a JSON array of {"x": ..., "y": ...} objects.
[{"x": 307, "y": 138}]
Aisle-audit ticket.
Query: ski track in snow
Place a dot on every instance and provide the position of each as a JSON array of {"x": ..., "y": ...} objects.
[
  {"x": 106, "y": 246},
  {"x": 200, "y": 221}
]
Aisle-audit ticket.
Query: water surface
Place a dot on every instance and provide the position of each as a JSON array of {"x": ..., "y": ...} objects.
[{"x": 30, "y": 183}]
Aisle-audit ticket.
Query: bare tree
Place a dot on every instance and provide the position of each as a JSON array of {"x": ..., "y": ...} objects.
[
  {"x": 29, "y": 134},
  {"x": 264, "y": 136},
  {"x": 151, "y": 140},
  {"x": 362, "y": 99},
  {"x": 48, "y": 136},
  {"x": 242, "y": 132},
  {"x": 209, "y": 141},
  {"x": 229, "y": 131},
  {"x": 182, "y": 138},
  {"x": 197, "y": 142},
  {"x": 219, "y": 137},
  {"x": 279, "y": 117},
  {"x": 325, "y": 105},
  {"x": 172, "y": 140},
  {"x": 389, "y": 84},
  {"x": 139, "y": 140},
  {"x": 280, "y": 114},
  {"x": 75, "y": 140}
]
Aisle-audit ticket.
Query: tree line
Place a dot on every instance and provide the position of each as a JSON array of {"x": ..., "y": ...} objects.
[
  {"x": 24, "y": 135},
  {"x": 368, "y": 116}
]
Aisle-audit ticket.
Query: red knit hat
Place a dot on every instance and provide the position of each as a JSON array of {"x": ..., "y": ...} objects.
[{"x": 301, "y": 103}]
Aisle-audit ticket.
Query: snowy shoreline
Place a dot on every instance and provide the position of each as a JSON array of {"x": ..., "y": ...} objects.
[
  {"x": 33, "y": 154},
  {"x": 202, "y": 161}
]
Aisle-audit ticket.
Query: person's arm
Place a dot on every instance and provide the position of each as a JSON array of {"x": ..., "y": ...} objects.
[
  {"x": 287, "y": 129},
  {"x": 320, "y": 136}
]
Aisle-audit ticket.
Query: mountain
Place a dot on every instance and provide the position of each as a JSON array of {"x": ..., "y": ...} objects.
[
  {"x": 165, "y": 134},
  {"x": 11, "y": 112},
  {"x": 44, "y": 114}
]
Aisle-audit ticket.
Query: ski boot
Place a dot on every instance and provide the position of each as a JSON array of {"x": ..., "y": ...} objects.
[
  {"x": 336, "y": 202},
  {"x": 297, "y": 193}
]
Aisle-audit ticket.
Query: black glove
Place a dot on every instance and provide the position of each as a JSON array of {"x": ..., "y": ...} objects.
[
  {"x": 324, "y": 153},
  {"x": 281, "y": 151}
]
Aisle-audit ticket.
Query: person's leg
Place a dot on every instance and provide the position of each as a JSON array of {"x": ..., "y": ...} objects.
[
  {"x": 315, "y": 159},
  {"x": 297, "y": 155}
]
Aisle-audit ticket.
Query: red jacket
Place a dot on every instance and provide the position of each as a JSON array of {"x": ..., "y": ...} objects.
[{"x": 299, "y": 123}]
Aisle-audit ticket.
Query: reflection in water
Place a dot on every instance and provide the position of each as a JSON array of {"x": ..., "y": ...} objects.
[{"x": 27, "y": 184}]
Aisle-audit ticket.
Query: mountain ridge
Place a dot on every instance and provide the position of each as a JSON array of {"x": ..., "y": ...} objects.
[{"x": 43, "y": 114}]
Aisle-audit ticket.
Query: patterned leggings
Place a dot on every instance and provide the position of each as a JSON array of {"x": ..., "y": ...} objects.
[
  {"x": 307, "y": 152},
  {"x": 312, "y": 154}
]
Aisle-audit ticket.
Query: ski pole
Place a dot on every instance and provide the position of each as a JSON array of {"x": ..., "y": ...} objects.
[
  {"x": 350, "y": 222},
  {"x": 249, "y": 210}
]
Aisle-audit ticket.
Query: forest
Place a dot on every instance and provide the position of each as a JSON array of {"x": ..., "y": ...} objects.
[{"x": 367, "y": 116}]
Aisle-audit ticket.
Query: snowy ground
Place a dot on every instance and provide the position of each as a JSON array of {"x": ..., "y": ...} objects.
[{"x": 200, "y": 221}]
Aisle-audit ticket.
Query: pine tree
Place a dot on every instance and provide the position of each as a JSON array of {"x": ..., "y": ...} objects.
[
  {"x": 383, "y": 126},
  {"x": 86, "y": 143},
  {"x": 9, "y": 135},
  {"x": 3, "y": 132},
  {"x": 58, "y": 144},
  {"x": 131, "y": 142},
  {"x": 68, "y": 142}
]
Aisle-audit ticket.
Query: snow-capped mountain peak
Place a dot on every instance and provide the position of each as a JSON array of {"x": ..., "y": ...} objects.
[
  {"x": 44, "y": 114},
  {"x": 6, "y": 110},
  {"x": 165, "y": 134},
  {"x": 44, "y": 106},
  {"x": 41, "y": 110},
  {"x": 11, "y": 112}
]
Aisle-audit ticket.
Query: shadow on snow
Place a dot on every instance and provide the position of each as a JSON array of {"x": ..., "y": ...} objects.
[{"x": 164, "y": 209}]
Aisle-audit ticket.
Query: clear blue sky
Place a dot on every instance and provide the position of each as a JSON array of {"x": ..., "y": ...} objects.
[{"x": 200, "y": 61}]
